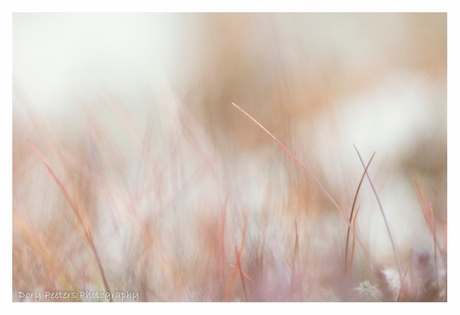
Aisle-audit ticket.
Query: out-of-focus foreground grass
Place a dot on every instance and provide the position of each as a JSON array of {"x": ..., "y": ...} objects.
[{"x": 133, "y": 172}]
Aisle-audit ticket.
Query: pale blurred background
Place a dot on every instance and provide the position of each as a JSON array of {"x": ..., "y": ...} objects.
[{"x": 290, "y": 71}]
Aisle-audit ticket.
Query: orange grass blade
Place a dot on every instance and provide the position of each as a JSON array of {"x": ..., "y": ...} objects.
[
  {"x": 426, "y": 206},
  {"x": 85, "y": 227},
  {"x": 294, "y": 259},
  {"x": 237, "y": 268},
  {"x": 230, "y": 286},
  {"x": 221, "y": 250},
  {"x": 354, "y": 240},
  {"x": 428, "y": 214},
  {"x": 292, "y": 156},
  {"x": 50, "y": 260}
]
